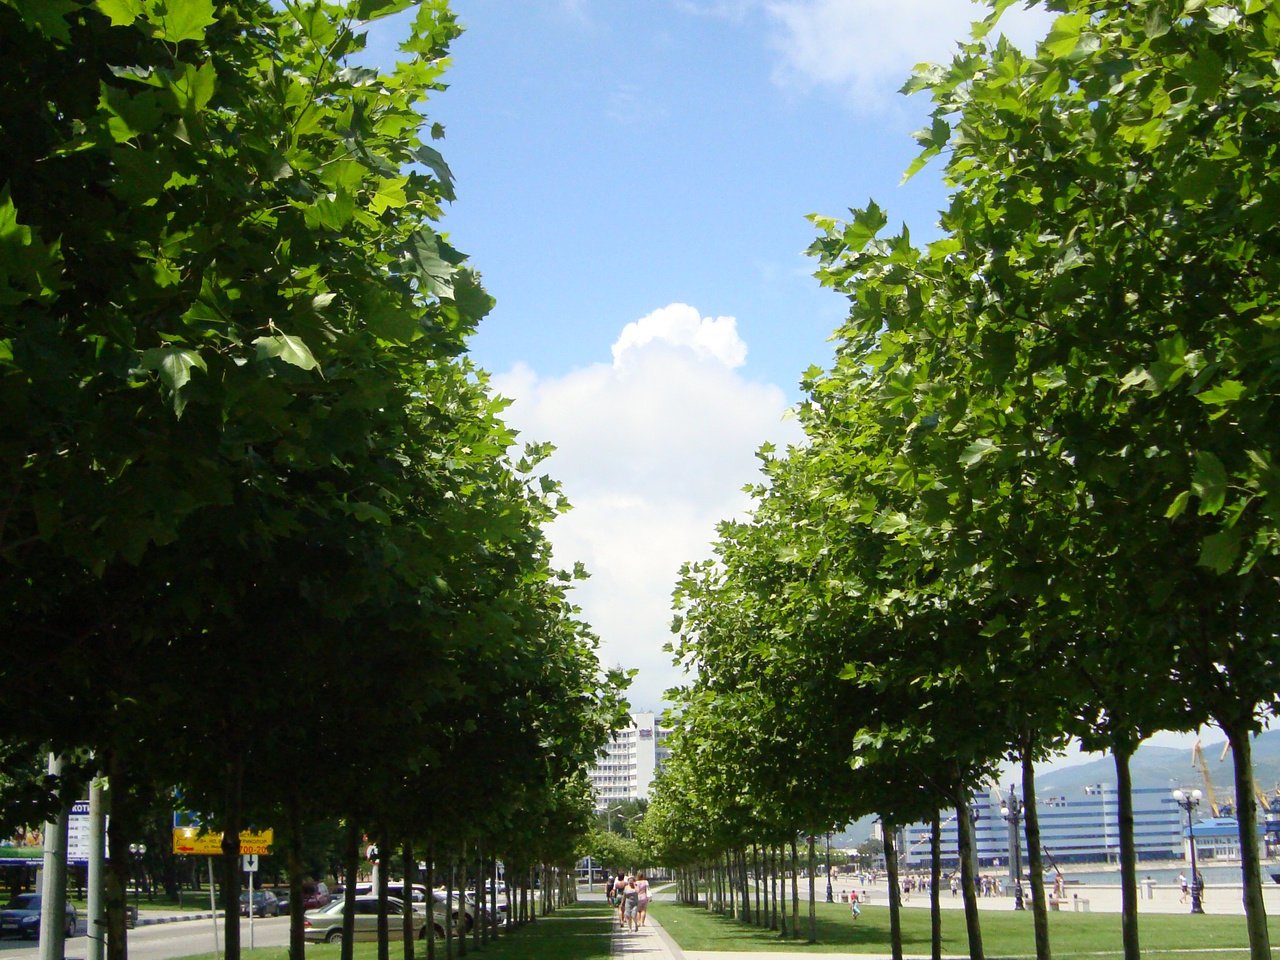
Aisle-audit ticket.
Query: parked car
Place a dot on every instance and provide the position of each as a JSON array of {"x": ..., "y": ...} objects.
[
  {"x": 265, "y": 904},
  {"x": 315, "y": 895},
  {"x": 325, "y": 925},
  {"x": 21, "y": 916}
]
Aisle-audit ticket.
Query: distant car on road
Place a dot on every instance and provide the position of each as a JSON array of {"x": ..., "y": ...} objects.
[
  {"x": 325, "y": 925},
  {"x": 21, "y": 916},
  {"x": 265, "y": 904}
]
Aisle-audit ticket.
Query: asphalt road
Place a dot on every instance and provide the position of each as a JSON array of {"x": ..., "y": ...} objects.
[{"x": 163, "y": 941}]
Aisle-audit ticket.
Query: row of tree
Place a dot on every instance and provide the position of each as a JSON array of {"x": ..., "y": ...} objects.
[
  {"x": 265, "y": 548},
  {"x": 1038, "y": 494}
]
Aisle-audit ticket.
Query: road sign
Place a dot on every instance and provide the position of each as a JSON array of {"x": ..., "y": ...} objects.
[
  {"x": 192, "y": 842},
  {"x": 250, "y": 862},
  {"x": 78, "y": 846}
]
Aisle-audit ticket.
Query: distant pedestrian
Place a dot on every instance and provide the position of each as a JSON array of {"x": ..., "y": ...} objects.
[
  {"x": 1199, "y": 884},
  {"x": 1182, "y": 886},
  {"x": 630, "y": 904},
  {"x": 854, "y": 907},
  {"x": 642, "y": 889},
  {"x": 1059, "y": 885},
  {"x": 955, "y": 885}
]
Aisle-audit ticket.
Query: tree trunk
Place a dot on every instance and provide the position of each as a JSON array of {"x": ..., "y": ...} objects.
[
  {"x": 1247, "y": 819},
  {"x": 813, "y": 906},
  {"x": 409, "y": 867},
  {"x": 123, "y": 815},
  {"x": 755, "y": 883},
  {"x": 350, "y": 870},
  {"x": 231, "y": 858},
  {"x": 935, "y": 885},
  {"x": 431, "y": 900},
  {"x": 384, "y": 877},
  {"x": 968, "y": 881},
  {"x": 449, "y": 919},
  {"x": 1128, "y": 857},
  {"x": 1039, "y": 902},
  {"x": 895, "y": 888},
  {"x": 297, "y": 906},
  {"x": 795, "y": 890}
]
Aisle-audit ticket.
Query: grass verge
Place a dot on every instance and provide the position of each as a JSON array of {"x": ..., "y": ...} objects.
[
  {"x": 580, "y": 931},
  {"x": 1004, "y": 934}
]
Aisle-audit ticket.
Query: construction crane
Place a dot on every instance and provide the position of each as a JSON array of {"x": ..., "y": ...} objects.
[{"x": 1197, "y": 760}]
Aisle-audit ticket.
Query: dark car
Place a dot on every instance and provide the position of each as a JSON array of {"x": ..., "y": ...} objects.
[
  {"x": 22, "y": 917},
  {"x": 315, "y": 896},
  {"x": 265, "y": 904}
]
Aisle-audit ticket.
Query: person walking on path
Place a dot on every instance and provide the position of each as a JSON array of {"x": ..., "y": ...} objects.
[
  {"x": 854, "y": 907},
  {"x": 630, "y": 904},
  {"x": 1182, "y": 885},
  {"x": 642, "y": 892}
]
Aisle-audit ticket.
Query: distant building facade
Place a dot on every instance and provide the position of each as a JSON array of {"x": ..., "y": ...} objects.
[
  {"x": 1082, "y": 826},
  {"x": 630, "y": 761}
]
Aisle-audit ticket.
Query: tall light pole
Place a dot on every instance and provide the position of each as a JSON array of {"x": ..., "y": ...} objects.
[
  {"x": 830, "y": 898},
  {"x": 1100, "y": 790},
  {"x": 1189, "y": 802},
  {"x": 138, "y": 850},
  {"x": 1012, "y": 812}
]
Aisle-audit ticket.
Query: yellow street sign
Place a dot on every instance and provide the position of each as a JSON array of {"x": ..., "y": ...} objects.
[{"x": 191, "y": 841}]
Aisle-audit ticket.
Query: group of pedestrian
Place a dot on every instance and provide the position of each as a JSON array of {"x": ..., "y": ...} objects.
[{"x": 630, "y": 895}]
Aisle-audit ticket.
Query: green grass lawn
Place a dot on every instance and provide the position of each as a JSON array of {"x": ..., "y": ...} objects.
[
  {"x": 577, "y": 932},
  {"x": 1004, "y": 934}
]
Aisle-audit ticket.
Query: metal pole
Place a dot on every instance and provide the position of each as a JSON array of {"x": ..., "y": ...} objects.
[
  {"x": 97, "y": 875},
  {"x": 53, "y": 887},
  {"x": 213, "y": 910},
  {"x": 1196, "y": 905},
  {"x": 830, "y": 897},
  {"x": 1016, "y": 806}
]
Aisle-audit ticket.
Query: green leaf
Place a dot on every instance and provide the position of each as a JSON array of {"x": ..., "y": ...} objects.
[
  {"x": 376, "y": 9},
  {"x": 436, "y": 275},
  {"x": 1219, "y": 551},
  {"x": 866, "y": 224},
  {"x": 1178, "y": 506},
  {"x": 174, "y": 364},
  {"x": 121, "y": 13},
  {"x": 1228, "y": 391},
  {"x": 333, "y": 212},
  {"x": 284, "y": 347},
  {"x": 1209, "y": 482},
  {"x": 1064, "y": 35},
  {"x": 975, "y": 451},
  {"x": 183, "y": 19}
]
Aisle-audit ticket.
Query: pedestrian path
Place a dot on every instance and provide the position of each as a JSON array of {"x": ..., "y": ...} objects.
[{"x": 649, "y": 941}]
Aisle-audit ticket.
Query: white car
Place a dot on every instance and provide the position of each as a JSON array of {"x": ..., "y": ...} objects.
[{"x": 325, "y": 925}]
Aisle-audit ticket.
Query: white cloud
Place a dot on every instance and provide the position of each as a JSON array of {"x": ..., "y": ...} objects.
[
  {"x": 680, "y": 325},
  {"x": 653, "y": 450},
  {"x": 869, "y": 47}
]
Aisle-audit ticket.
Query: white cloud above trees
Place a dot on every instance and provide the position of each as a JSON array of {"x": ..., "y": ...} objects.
[
  {"x": 653, "y": 450},
  {"x": 867, "y": 48}
]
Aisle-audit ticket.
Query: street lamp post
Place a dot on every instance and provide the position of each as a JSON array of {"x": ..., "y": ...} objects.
[
  {"x": 830, "y": 898},
  {"x": 1189, "y": 802},
  {"x": 1012, "y": 812},
  {"x": 138, "y": 851}
]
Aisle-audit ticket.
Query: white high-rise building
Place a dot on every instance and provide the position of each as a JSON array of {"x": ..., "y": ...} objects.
[{"x": 630, "y": 761}]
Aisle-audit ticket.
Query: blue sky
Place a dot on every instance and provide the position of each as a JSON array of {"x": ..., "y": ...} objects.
[{"x": 633, "y": 180}]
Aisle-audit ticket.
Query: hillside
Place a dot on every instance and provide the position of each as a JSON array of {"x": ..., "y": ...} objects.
[{"x": 1154, "y": 766}]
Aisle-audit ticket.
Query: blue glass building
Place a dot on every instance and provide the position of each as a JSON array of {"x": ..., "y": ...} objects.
[{"x": 1078, "y": 827}]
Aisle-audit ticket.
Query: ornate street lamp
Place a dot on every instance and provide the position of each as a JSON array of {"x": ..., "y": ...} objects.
[
  {"x": 830, "y": 897},
  {"x": 1189, "y": 802},
  {"x": 138, "y": 851},
  {"x": 1012, "y": 812}
]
